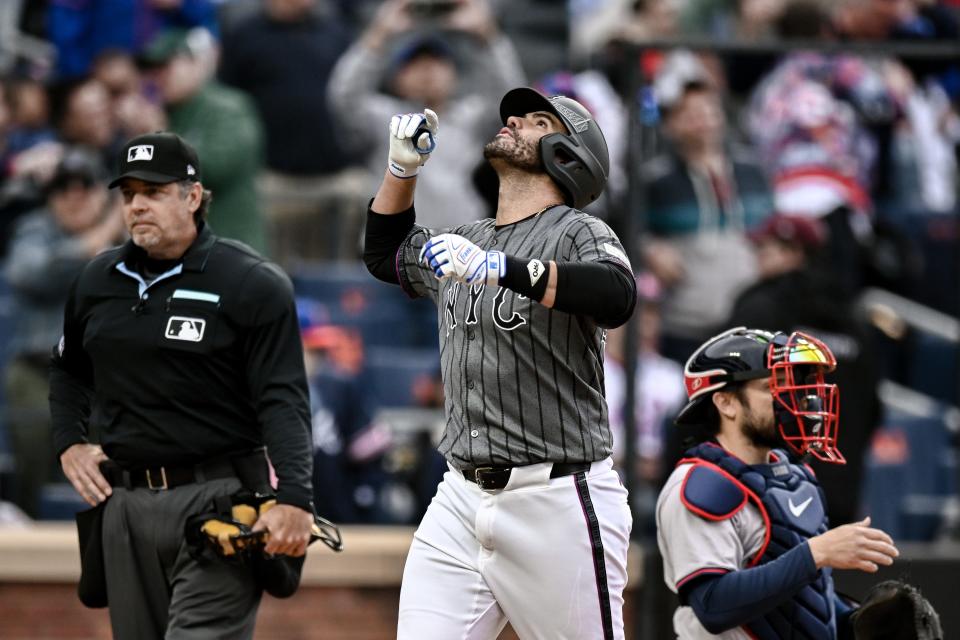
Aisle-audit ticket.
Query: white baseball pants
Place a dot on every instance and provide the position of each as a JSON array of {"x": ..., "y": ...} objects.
[{"x": 547, "y": 555}]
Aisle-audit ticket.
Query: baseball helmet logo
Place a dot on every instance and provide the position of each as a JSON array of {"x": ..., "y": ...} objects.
[{"x": 574, "y": 119}]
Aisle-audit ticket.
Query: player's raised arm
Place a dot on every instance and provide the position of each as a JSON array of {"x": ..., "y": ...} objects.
[{"x": 413, "y": 137}]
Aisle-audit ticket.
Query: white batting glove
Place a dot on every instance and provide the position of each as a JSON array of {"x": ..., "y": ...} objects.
[
  {"x": 413, "y": 137},
  {"x": 453, "y": 256}
]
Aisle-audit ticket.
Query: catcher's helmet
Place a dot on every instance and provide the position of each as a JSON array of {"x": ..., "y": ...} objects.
[
  {"x": 578, "y": 161},
  {"x": 806, "y": 408}
]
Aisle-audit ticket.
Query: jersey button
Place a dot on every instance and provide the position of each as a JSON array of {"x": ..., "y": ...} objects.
[
  {"x": 474, "y": 434},
  {"x": 470, "y": 384},
  {"x": 493, "y": 242},
  {"x": 471, "y": 334}
]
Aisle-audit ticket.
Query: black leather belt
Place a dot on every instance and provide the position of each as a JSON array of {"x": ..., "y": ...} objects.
[
  {"x": 168, "y": 477},
  {"x": 492, "y": 478}
]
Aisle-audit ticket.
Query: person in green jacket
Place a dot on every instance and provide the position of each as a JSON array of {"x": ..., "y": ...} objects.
[{"x": 220, "y": 122}]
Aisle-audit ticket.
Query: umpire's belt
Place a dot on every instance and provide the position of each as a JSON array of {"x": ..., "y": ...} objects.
[
  {"x": 493, "y": 478},
  {"x": 169, "y": 476}
]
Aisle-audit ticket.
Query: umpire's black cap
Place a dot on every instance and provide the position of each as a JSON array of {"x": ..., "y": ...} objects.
[{"x": 159, "y": 157}]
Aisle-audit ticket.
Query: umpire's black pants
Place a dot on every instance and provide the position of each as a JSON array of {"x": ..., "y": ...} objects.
[{"x": 156, "y": 590}]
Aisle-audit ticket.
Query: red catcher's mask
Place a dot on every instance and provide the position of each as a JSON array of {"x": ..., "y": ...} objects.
[{"x": 806, "y": 408}]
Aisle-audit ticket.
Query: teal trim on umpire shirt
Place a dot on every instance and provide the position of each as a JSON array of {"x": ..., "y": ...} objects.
[
  {"x": 143, "y": 284},
  {"x": 190, "y": 294}
]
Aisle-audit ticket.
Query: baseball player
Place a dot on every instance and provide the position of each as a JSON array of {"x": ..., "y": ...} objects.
[
  {"x": 531, "y": 523},
  {"x": 741, "y": 526}
]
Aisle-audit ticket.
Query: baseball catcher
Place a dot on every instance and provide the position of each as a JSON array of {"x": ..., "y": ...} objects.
[{"x": 741, "y": 522}]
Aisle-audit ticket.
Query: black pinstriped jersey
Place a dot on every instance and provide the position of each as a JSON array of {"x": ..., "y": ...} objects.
[{"x": 523, "y": 383}]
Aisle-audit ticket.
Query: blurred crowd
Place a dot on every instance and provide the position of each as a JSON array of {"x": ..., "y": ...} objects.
[{"x": 776, "y": 187}]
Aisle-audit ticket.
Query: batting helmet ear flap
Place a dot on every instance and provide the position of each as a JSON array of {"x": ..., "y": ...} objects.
[{"x": 574, "y": 168}]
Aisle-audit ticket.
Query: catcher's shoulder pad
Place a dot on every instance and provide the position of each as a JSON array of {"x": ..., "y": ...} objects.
[{"x": 711, "y": 492}]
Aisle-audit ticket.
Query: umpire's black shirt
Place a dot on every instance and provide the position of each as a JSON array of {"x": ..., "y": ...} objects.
[{"x": 202, "y": 361}]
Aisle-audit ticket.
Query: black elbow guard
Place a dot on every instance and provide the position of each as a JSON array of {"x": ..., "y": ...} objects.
[
  {"x": 383, "y": 236},
  {"x": 602, "y": 291}
]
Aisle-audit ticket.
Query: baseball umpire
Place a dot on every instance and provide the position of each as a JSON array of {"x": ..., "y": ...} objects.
[
  {"x": 183, "y": 351},
  {"x": 530, "y": 524},
  {"x": 742, "y": 529}
]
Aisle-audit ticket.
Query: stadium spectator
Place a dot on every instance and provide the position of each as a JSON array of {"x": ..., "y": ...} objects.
[
  {"x": 793, "y": 293},
  {"x": 220, "y": 122},
  {"x": 30, "y": 114},
  {"x": 599, "y": 25},
  {"x": 838, "y": 135},
  {"x": 314, "y": 194},
  {"x": 82, "y": 30},
  {"x": 402, "y": 64},
  {"x": 28, "y": 150},
  {"x": 348, "y": 445},
  {"x": 132, "y": 110},
  {"x": 703, "y": 194},
  {"x": 83, "y": 117},
  {"x": 48, "y": 249}
]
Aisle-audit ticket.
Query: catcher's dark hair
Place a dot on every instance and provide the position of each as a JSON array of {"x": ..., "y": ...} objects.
[{"x": 711, "y": 422}]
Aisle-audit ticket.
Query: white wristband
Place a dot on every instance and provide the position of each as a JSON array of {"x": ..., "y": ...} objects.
[
  {"x": 402, "y": 172},
  {"x": 496, "y": 267}
]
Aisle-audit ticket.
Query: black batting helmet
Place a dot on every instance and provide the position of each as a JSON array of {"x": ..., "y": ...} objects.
[
  {"x": 736, "y": 355},
  {"x": 578, "y": 161}
]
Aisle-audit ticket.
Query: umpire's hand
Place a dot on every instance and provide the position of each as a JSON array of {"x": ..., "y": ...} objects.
[
  {"x": 81, "y": 465},
  {"x": 289, "y": 529}
]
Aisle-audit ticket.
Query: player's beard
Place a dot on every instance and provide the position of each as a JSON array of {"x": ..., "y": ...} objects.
[
  {"x": 516, "y": 151},
  {"x": 761, "y": 432}
]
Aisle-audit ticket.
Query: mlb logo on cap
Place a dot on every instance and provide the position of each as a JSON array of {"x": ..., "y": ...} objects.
[
  {"x": 140, "y": 152},
  {"x": 160, "y": 157}
]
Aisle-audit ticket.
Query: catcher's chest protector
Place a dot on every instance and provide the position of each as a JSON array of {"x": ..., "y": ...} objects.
[{"x": 792, "y": 505}]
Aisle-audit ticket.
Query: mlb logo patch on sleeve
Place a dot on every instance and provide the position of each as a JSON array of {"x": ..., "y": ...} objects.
[{"x": 185, "y": 329}]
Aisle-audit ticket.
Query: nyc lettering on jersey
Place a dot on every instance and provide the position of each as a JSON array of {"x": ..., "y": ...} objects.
[{"x": 501, "y": 318}]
